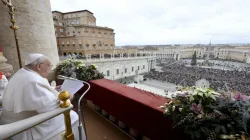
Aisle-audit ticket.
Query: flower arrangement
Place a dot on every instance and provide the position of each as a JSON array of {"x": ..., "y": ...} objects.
[
  {"x": 206, "y": 114},
  {"x": 77, "y": 69}
]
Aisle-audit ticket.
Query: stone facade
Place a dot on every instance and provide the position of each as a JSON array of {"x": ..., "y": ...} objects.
[
  {"x": 124, "y": 67},
  {"x": 77, "y": 33},
  {"x": 234, "y": 53},
  {"x": 116, "y": 68},
  {"x": 36, "y": 33}
]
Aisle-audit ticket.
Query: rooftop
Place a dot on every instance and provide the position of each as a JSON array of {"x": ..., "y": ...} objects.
[{"x": 72, "y": 12}]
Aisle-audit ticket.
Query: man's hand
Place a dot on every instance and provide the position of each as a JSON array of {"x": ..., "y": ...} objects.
[{"x": 58, "y": 88}]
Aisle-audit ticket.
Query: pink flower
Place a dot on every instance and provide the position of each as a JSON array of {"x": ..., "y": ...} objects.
[
  {"x": 241, "y": 97},
  {"x": 197, "y": 108}
]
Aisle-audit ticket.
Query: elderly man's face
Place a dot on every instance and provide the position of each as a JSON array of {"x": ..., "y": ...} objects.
[{"x": 44, "y": 68}]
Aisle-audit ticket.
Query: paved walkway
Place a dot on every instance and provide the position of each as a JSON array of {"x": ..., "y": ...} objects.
[{"x": 156, "y": 87}]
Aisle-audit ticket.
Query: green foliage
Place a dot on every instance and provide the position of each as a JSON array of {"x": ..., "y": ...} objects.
[
  {"x": 194, "y": 59},
  {"x": 206, "y": 114},
  {"x": 76, "y": 69}
]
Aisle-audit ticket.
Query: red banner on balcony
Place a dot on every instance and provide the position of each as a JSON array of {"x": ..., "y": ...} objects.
[{"x": 136, "y": 108}]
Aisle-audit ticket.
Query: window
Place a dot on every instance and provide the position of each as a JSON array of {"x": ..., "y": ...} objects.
[
  {"x": 132, "y": 68},
  {"x": 107, "y": 72},
  {"x": 138, "y": 67},
  {"x": 111, "y": 45},
  {"x": 125, "y": 70},
  {"x": 143, "y": 66},
  {"x": 117, "y": 71},
  {"x": 79, "y": 32},
  {"x": 73, "y": 32}
]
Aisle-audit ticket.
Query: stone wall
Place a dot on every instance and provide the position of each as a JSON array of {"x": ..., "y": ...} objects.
[
  {"x": 36, "y": 33},
  {"x": 123, "y": 67}
]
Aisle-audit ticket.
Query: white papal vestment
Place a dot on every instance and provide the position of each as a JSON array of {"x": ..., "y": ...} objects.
[{"x": 28, "y": 94}]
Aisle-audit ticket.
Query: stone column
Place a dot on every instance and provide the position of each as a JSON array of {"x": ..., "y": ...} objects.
[{"x": 36, "y": 32}]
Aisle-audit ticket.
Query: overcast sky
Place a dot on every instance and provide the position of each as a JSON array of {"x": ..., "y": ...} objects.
[{"x": 141, "y": 22}]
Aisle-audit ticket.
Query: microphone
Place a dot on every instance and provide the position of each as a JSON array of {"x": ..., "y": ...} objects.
[{"x": 80, "y": 115}]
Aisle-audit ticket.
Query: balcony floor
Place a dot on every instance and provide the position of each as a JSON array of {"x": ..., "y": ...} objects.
[{"x": 98, "y": 128}]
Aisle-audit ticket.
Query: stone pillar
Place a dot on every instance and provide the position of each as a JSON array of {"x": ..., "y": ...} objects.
[{"x": 36, "y": 32}]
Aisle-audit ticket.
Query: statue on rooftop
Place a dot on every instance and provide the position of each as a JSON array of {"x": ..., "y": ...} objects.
[{"x": 4, "y": 67}]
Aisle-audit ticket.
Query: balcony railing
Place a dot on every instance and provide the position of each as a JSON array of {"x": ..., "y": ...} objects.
[
  {"x": 9, "y": 130},
  {"x": 132, "y": 110}
]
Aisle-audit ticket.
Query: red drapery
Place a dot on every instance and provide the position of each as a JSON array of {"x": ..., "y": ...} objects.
[{"x": 136, "y": 108}]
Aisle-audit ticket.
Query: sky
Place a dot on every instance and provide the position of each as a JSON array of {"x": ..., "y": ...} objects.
[{"x": 159, "y": 22}]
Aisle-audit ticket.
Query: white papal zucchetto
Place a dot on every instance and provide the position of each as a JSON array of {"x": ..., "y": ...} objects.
[{"x": 32, "y": 57}]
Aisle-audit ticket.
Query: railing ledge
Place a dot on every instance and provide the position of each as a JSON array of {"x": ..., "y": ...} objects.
[{"x": 12, "y": 129}]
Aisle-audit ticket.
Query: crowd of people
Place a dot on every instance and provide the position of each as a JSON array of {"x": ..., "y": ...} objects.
[{"x": 225, "y": 80}]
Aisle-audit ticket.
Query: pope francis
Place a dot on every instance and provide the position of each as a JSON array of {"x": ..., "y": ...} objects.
[{"x": 28, "y": 93}]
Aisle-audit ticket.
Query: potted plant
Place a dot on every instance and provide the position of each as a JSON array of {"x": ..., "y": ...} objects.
[
  {"x": 206, "y": 114},
  {"x": 78, "y": 70}
]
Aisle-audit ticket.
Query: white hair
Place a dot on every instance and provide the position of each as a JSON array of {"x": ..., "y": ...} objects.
[{"x": 40, "y": 60}]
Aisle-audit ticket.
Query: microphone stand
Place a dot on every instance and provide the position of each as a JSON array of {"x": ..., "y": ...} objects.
[{"x": 80, "y": 113}]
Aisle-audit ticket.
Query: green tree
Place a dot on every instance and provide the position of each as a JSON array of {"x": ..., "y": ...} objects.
[{"x": 194, "y": 59}]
